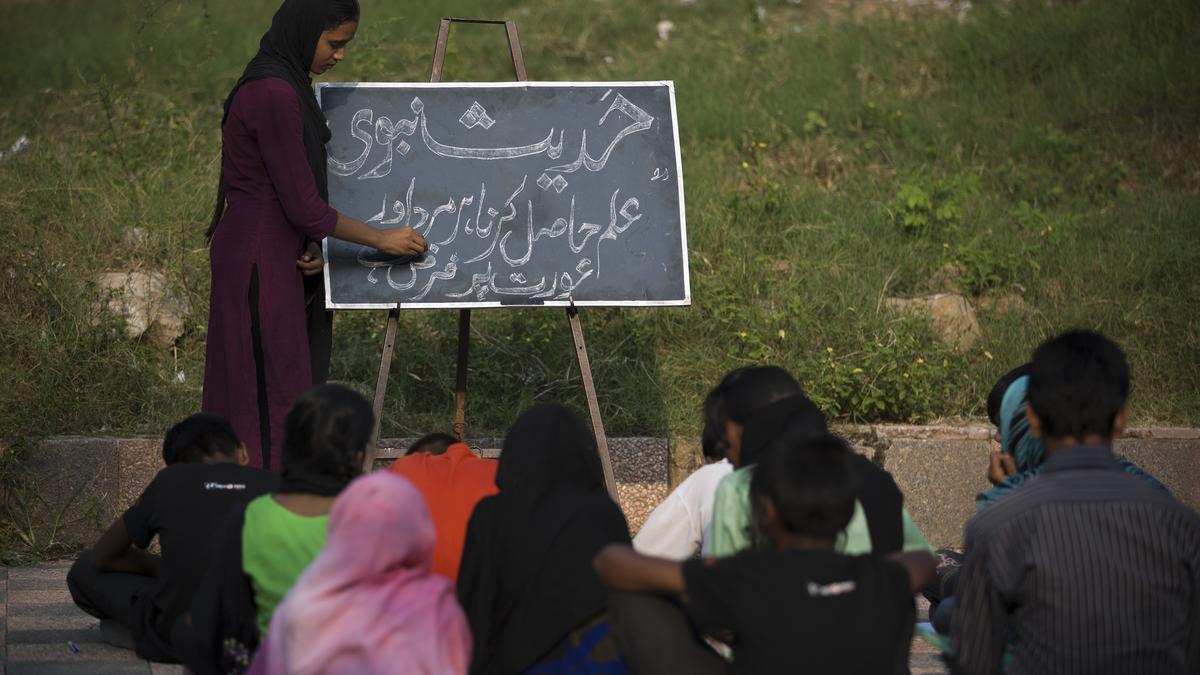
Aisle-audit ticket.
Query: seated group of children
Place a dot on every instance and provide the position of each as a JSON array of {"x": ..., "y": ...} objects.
[{"x": 788, "y": 553}]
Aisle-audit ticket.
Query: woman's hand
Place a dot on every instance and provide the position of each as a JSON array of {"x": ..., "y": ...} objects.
[
  {"x": 401, "y": 241},
  {"x": 311, "y": 262}
]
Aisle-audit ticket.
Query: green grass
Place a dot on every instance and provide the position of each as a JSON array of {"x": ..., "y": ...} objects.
[{"x": 1049, "y": 150}]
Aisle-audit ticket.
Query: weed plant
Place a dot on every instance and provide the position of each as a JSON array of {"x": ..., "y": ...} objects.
[{"x": 1042, "y": 158}]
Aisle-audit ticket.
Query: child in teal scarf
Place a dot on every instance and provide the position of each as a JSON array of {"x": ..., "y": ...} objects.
[{"x": 1026, "y": 449}]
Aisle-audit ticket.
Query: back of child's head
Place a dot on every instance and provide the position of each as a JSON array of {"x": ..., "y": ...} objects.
[
  {"x": 754, "y": 389},
  {"x": 433, "y": 444},
  {"x": 789, "y": 417},
  {"x": 1078, "y": 382},
  {"x": 810, "y": 480},
  {"x": 996, "y": 396},
  {"x": 324, "y": 435},
  {"x": 712, "y": 438},
  {"x": 200, "y": 437}
]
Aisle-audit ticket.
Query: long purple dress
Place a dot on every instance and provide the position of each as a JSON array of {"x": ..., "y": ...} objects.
[{"x": 273, "y": 206}]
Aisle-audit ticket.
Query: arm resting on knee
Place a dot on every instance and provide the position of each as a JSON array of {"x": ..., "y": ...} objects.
[{"x": 115, "y": 552}]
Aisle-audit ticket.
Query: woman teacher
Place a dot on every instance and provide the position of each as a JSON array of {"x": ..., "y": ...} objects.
[{"x": 267, "y": 341}]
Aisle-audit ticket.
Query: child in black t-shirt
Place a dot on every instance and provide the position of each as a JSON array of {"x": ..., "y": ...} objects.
[
  {"x": 798, "y": 607},
  {"x": 138, "y": 595}
]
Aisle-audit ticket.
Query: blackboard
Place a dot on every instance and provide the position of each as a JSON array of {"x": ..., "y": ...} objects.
[{"x": 529, "y": 193}]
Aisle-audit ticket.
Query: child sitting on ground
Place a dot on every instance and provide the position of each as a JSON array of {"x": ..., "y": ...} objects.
[
  {"x": 679, "y": 526},
  {"x": 265, "y": 546},
  {"x": 757, "y": 407},
  {"x": 526, "y": 582},
  {"x": 394, "y": 614},
  {"x": 136, "y": 595},
  {"x": 1017, "y": 461},
  {"x": 798, "y": 606},
  {"x": 1085, "y": 565},
  {"x": 452, "y": 480}
]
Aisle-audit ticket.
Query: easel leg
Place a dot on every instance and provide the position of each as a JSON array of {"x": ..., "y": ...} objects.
[
  {"x": 589, "y": 390},
  {"x": 460, "y": 380},
  {"x": 464, "y": 316},
  {"x": 385, "y": 368}
]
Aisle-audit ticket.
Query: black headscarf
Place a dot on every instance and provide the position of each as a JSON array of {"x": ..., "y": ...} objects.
[
  {"x": 526, "y": 579},
  {"x": 784, "y": 422},
  {"x": 286, "y": 51},
  {"x": 796, "y": 413}
]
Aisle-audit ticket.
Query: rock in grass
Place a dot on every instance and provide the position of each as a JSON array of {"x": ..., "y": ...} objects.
[
  {"x": 1004, "y": 303},
  {"x": 952, "y": 316},
  {"x": 147, "y": 306},
  {"x": 134, "y": 237},
  {"x": 664, "y": 29}
]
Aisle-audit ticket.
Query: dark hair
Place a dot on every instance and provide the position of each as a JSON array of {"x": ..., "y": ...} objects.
[
  {"x": 713, "y": 443},
  {"x": 340, "y": 11},
  {"x": 325, "y": 430},
  {"x": 1078, "y": 382},
  {"x": 198, "y": 437},
  {"x": 435, "y": 444},
  {"x": 811, "y": 482},
  {"x": 754, "y": 389},
  {"x": 996, "y": 395}
]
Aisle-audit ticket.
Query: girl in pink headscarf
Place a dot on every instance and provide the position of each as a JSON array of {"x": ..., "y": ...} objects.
[{"x": 368, "y": 603}]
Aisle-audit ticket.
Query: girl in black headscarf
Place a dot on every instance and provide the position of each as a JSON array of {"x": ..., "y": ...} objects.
[
  {"x": 269, "y": 335},
  {"x": 526, "y": 581}
]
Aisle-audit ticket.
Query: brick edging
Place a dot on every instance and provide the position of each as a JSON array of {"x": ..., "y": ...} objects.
[
  {"x": 983, "y": 432},
  {"x": 389, "y": 446}
]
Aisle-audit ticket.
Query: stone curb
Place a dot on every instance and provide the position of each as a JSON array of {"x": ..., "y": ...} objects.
[
  {"x": 984, "y": 432},
  {"x": 74, "y": 486}
]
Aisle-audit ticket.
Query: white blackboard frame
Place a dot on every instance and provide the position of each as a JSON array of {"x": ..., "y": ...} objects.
[{"x": 687, "y": 283}]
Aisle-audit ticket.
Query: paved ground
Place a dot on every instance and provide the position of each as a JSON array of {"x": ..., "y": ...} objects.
[
  {"x": 924, "y": 658},
  {"x": 38, "y": 623}
]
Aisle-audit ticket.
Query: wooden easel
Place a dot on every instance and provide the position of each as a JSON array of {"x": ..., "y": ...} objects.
[{"x": 464, "y": 315}]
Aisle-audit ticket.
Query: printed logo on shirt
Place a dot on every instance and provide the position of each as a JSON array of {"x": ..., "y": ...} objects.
[
  {"x": 224, "y": 486},
  {"x": 829, "y": 590}
]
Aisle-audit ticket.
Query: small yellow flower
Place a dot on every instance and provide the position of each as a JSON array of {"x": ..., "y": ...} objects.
[
  {"x": 920, "y": 360},
  {"x": 761, "y": 144},
  {"x": 742, "y": 334},
  {"x": 829, "y": 349},
  {"x": 857, "y": 371},
  {"x": 745, "y": 165},
  {"x": 988, "y": 354},
  {"x": 906, "y": 376},
  {"x": 782, "y": 334},
  {"x": 945, "y": 363}
]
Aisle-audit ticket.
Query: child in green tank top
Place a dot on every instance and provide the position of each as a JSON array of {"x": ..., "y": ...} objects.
[{"x": 265, "y": 547}]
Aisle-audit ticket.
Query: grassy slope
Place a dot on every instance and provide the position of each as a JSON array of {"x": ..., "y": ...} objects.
[{"x": 1059, "y": 144}]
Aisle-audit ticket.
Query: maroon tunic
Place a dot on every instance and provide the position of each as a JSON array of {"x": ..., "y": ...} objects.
[{"x": 273, "y": 206}]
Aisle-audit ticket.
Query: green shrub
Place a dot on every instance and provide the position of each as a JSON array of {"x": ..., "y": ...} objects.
[{"x": 902, "y": 376}]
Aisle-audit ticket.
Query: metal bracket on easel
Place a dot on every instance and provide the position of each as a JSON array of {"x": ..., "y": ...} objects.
[{"x": 464, "y": 315}]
